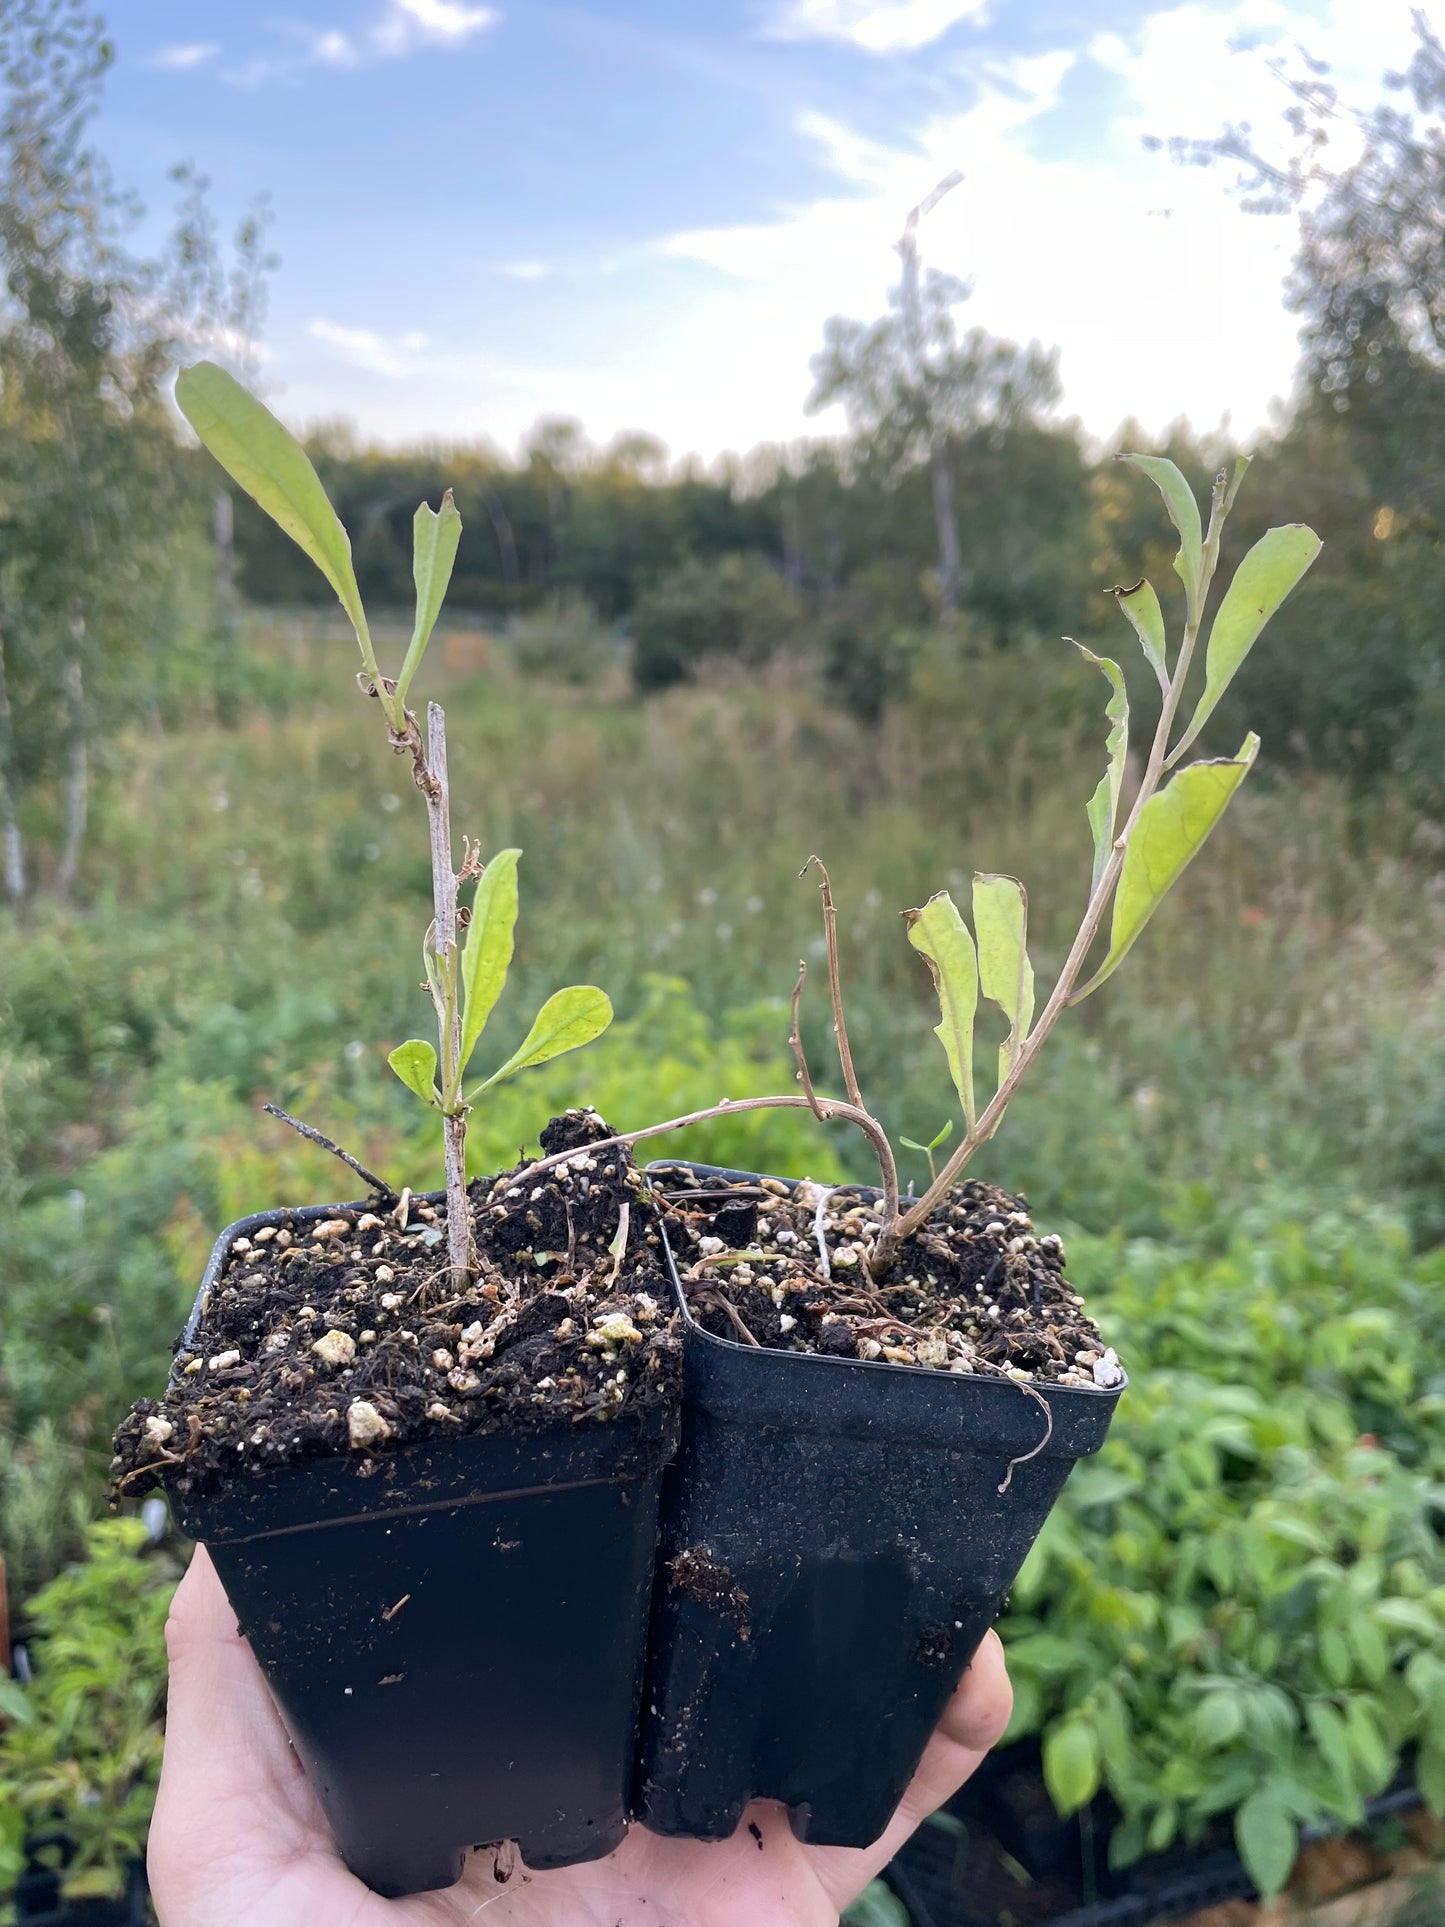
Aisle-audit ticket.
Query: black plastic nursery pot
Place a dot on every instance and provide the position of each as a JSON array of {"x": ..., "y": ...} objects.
[
  {"x": 454, "y": 1632},
  {"x": 837, "y": 1538}
]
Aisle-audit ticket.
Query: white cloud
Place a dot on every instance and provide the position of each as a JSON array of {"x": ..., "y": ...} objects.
[
  {"x": 181, "y": 59},
  {"x": 1163, "y": 295},
  {"x": 401, "y": 28},
  {"x": 374, "y": 353},
  {"x": 877, "y": 26},
  {"x": 523, "y": 270}
]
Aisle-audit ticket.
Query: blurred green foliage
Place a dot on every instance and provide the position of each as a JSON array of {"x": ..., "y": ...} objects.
[
  {"x": 1239, "y": 1606},
  {"x": 80, "y": 1748}
]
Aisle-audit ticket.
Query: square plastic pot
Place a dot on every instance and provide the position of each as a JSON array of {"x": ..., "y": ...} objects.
[
  {"x": 454, "y": 1633},
  {"x": 837, "y": 1537}
]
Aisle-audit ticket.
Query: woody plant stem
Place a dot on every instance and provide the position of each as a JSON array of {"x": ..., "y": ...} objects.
[{"x": 445, "y": 956}]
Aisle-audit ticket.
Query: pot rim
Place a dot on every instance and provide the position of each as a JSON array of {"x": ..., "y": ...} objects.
[{"x": 732, "y": 1346}]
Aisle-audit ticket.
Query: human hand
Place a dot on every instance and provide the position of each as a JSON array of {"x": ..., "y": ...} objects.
[{"x": 239, "y": 1839}]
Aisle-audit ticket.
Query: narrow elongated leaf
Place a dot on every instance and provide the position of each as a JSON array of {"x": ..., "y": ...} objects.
[
  {"x": 1268, "y": 1840},
  {"x": 487, "y": 951},
  {"x": 1263, "y": 579},
  {"x": 1071, "y": 1765},
  {"x": 1169, "y": 834},
  {"x": 415, "y": 1063},
  {"x": 1183, "y": 513},
  {"x": 941, "y": 936},
  {"x": 568, "y": 1019},
  {"x": 1141, "y": 606},
  {"x": 267, "y": 461},
  {"x": 1237, "y": 475},
  {"x": 1332, "y": 1738},
  {"x": 435, "y": 534},
  {"x": 1103, "y": 805},
  {"x": 1005, "y": 975}
]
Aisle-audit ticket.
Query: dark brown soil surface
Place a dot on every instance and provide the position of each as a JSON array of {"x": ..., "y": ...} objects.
[
  {"x": 325, "y": 1338},
  {"x": 976, "y": 1290}
]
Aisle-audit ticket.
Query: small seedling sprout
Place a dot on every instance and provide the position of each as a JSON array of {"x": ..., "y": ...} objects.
[{"x": 464, "y": 973}]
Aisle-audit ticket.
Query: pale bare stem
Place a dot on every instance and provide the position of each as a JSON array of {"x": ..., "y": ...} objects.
[
  {"x": 461, "y": 1258},
  {"x": 835, "y": 985},
  {"x": 827, "y": 1108},
  {"x": 795, "y": 1040},
  {"x": 918, "y": 1214},
  {"x": 313, "y": 1136}
]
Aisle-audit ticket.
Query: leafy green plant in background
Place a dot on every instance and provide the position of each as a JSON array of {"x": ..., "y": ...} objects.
[
  {"x": 80, "y": 1748},
  {"x": 1238, "y": 1609},
  {"x": 876, "y": 1906},
  {"x": 465, "y": 976}
]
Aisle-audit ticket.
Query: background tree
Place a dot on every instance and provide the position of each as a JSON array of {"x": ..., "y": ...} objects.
[
  {"x": 93, "y": 483},
  {"x": 1359, "y": 663},
  {"x": 912, "y": 388}
]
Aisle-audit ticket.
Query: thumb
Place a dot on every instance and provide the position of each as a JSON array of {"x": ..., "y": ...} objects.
[
  {"x": 973, "y": 1721},
  {"x": 228, "y": 1771}
]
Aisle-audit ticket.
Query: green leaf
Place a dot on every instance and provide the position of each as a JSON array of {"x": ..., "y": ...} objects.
[
  {"x": 1273, "y": 567},
  {"x": 1370, "y": 1646},
  {"x": 1430, "y": 1774},
  {"x": 1103, "y": 809},
  {"x": 15, "y": 1704},
  {"x": 487, "y": 952},
  {"x": 1220, "y": 1718},
  {"x": 568, "y": 1019},
  {"x": 941, "y": 1136},
  {"x": 1241, "y": 468},
  {"x": 415, "y": 1063},
  {"x": 942, "y": 938},
  {"x": 1141, "y": 605},
  {"x": 876, "y": 1906},
  {"x": 1005, "y": 975},
  {"x": 1335, "y": 1656},
  {"x": 274, "y": 469},
  {"x": 1071, "y": 1765},
  {"x": 93, "y": 1883},
  {"x": 1375, "y": 1760},
  {"x": 1268, "y": 1840},
  {"x": 1332, "y": 1738},
  {"x": 1183, "y": 513},
  {"x": 1169, "y": 834},
  {"x": 434, "y": 538}
]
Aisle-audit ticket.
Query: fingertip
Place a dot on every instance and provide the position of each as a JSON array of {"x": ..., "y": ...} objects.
[
  {"x": 199, "y": 1607},
  {"x": 977, "y": 1716}
]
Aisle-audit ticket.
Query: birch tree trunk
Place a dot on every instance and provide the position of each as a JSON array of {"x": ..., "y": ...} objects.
[
  {"x": 13, "y": 854},
  {"x": 77, "y": 777}
]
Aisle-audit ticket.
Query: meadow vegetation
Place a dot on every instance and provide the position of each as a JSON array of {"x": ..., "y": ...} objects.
[{"x": 674, "y": 687}]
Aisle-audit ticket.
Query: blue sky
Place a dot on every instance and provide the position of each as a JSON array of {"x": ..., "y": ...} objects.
[{"x": 639, "y": 213}]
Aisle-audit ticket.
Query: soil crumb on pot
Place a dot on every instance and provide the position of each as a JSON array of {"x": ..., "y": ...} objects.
[
  {"x": 340, "y": 1335},
  {"x": 976, "y": 1290}
]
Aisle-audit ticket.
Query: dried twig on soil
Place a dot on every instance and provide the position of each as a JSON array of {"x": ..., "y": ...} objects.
[{"x": 309, "y": 1131}]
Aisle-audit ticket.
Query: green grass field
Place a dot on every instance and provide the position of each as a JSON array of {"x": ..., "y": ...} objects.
[{"x": 256, "y": 897}]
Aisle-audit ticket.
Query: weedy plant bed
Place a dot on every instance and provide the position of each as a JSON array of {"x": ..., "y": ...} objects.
[{"x": 423, "y": 1437}]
